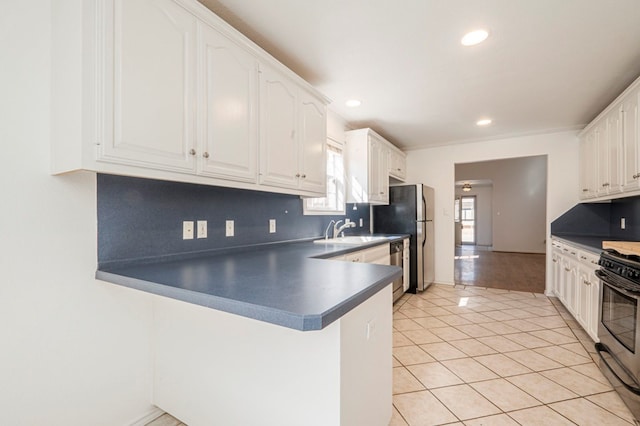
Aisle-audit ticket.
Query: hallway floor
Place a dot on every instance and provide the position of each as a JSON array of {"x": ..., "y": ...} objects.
[{"x": 478, "y": 266}]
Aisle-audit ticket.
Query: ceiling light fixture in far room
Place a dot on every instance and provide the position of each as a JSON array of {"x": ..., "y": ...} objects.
[
  {"x": 352, "y": 103},
  {"x": 474, "y": 37},
  {"x": 483, "y": 122},
  {"x": 466, "y": 187}
]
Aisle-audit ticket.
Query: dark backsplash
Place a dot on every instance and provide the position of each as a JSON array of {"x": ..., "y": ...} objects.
[
  {"x": 142, "y": 218},
  {"x": 602, "y": 220}
]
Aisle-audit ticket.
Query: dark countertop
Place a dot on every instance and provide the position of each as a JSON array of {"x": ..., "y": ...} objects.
[
  {"x": 288, "y": 284},
  {"x": 590, "y": 243}
]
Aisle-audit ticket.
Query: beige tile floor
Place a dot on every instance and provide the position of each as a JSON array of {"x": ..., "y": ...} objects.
[
  {"x": 467, "y": 355},
  {"x": 478, "y": 356}
]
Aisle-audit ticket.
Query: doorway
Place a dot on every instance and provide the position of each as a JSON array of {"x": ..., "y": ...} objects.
[
  {"x": 468, "y": 219},
  {"x": 500, "y": 220}
]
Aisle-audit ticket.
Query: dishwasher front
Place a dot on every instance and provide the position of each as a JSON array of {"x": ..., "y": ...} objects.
[{"x": 395, "y": 259}]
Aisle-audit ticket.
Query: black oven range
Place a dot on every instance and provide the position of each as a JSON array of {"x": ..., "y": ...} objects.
[{"x": 618, "y": 328}]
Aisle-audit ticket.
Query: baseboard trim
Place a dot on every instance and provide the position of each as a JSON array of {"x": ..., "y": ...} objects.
[{"x": 153, "y": 414}]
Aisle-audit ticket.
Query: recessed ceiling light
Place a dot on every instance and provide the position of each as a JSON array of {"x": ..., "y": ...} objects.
[
  {"x": 483, "y": 122},
  {"x": 352, "y": 103},
  {"x": 474, "y": 37}
]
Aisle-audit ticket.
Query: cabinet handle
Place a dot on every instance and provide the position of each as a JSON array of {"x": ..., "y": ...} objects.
[
  {"x": 555, "y": 260},
  {"x": 297, "y": 175},
  {"x": 636, "y": 176},
  {"x": 303, "y": 176},
  {"x": 567, "y": 269},
  {"x": 583, "y": 257},
  {"x": 192, "y": 151},
  {"x": 584, "y": 189},
  {"x": 399, "y": 170},
  {"x": 205, "y": 154},
  {"x": 586, "y": 282},
  {"x": 604, "y": 185},
  {"x": 381, "y": 192}
]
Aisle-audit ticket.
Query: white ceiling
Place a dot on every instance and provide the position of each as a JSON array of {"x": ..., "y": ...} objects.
[{"x": 548, "y": 65}]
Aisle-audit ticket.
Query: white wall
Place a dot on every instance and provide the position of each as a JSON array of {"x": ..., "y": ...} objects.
[
  {"x": 436, "y": 167},
  {"x": 74, "y": 351},
  {"x": 484, "y": 212},
  {"x": 519, "y": 200}
]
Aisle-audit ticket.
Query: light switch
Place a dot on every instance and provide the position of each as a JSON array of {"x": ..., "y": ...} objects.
[
  {"x": 272, "y": 226},
  {"x": 229, "y": 231},
  {"x": 202, "y": 229},
  {"x": 623, "y": 223}
]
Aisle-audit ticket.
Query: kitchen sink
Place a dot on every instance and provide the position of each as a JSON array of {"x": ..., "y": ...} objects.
[{"x": 354, "y": 240}]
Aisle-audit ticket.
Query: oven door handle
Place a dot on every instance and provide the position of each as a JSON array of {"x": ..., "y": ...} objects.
[
  {"x": 609, "y": 280},
  {"x": 631, "y": 388}
]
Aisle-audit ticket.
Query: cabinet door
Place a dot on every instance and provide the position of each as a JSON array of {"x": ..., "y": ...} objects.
[
  {"x": 602, "y": 142},
  {"x": 631, "y": 141},
  {"x": 397, "y": 165},
  {"x": 583, "y": 297},
  {"x": 151, "y": 114},
  {"x": 378, "y": 172},
  {"x": 228, "y": 109},
  {"x": 556, "y": 274},
  {"x": 588, "y": 165},
  {"x": 278, "y": 139},
  {"x": 614, "y": 142},
  {"x": 313, "y": 145}
]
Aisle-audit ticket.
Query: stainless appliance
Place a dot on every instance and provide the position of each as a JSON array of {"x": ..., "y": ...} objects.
[
  {"x": 619, "y": 325},
  {"x": 410, "y": 211},
  {"x": 395, "y": 258}
]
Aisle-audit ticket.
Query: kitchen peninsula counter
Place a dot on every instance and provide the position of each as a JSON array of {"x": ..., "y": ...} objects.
[
  {"x": 287, "y": 324},
  {"x": 289, "y": 284}
]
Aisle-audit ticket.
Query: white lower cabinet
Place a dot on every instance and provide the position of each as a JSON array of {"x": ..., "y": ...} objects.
[
  {"x": 378, "y": 255},
  {"x": 576, "y": 285}
]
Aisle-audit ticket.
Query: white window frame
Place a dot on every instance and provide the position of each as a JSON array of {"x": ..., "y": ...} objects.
[{"x": 335, "y": 201}]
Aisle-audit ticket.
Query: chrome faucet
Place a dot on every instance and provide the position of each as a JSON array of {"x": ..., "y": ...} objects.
[
  {"x": 338, "y": 229},
  {"x": 326, "y": 231}
]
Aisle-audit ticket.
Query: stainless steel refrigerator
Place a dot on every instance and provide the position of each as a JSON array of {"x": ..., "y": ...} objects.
[{"x": 410, "y": 211}]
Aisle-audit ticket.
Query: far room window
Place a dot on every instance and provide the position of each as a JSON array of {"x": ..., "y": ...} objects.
[{"x": 334, "y": 202}]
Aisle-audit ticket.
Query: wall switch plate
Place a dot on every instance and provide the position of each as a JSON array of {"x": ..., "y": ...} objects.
[
  {"x": 202, "y": 229},
  {"x": 347, "y": 220},
  {"x": 361, "y": 223},
  {"x": 229, "y": 231},
  {"x": 272, "y": 226},
  {"x": 623, "y": 223},
  {"x": 187, "y": 230}
]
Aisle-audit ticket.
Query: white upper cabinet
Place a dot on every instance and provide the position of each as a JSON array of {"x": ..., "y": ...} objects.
[
  {"x": 278, "y": 139},
  {"x": 293, "y": 135},
  {"x": 588, "y": 165},
  {"x": 631, "y": 140},
  {"x": 609, "y": 149},
  {"x": 149, "y": 113},
  {"x": 368, "y": 164},
  {"x": 313, "y": 146},
  {"x": 397, "y": 164},
  {"x": 165, "y": 89},
  {"x": 229, "y": 105}
]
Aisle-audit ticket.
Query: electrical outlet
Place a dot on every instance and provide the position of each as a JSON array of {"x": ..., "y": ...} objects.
[
  {"x": 272, "y": 226},
  {"x": 371, "y": 329},
  {"x": 361, "y": 223},
  {"x": 202, "y": 229},
  {"x": 623, "y": 223},
  {"x": 347, "y": 220},
  {"x": 187, "y": 230},
  {"x": 229, "y": 231}
]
